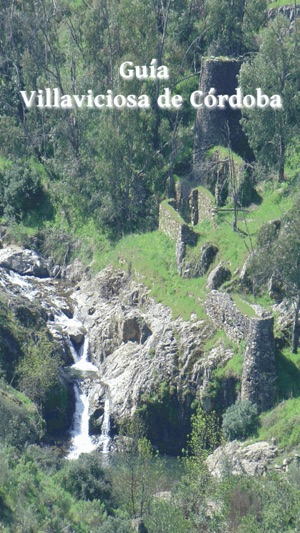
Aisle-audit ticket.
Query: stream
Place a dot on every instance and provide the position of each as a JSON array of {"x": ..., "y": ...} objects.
[{"x": 61, "y": 323}]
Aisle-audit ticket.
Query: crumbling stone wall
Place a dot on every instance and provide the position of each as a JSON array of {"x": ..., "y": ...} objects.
[
  {"x": 259, "y": 371},
  {"x": 202, "y": 205},
  {"x": 225, "y": 314},
  {"x": 171, "y": 223},
  {"x": 214, "y": 126}
]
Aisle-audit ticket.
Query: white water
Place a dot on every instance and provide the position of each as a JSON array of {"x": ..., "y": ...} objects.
[
  {"x": 44, "y": 292},
  {"x": 81, "y": 441},
  {"x": 82, "y": 363}
]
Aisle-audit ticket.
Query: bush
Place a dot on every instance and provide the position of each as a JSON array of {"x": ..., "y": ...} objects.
[
  {"x": 240, "y": 420},
  {"x": 20, "y": 422},
  {"x": 20, "y": 190},
  {"x": 85, "y": 478}
]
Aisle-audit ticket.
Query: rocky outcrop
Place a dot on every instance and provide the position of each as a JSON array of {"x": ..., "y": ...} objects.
[
  {"x": 259, "y": 370},
  {"x": 288, "y": 11},
  {"x": 26, "y": 262},
  {"x": 196, "y": 267},
  {"x": 208, "y": 254},
  {"x": 146, "y": 359},
  {"x": 74, "y": 272},
  {"x": 238, "y": 459},
  {"x": 218, "y": 276}
]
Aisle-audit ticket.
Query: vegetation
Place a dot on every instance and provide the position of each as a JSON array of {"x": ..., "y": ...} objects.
[
  {"x": 87, "y": 183},
  {"x": 240, "y": 420}
]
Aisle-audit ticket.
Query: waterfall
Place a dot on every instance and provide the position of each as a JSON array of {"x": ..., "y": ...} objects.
[
  {"x": 82, "y": 363},
  {"x": 81, "y": 440},
  {"x": 54, "y": 303}
]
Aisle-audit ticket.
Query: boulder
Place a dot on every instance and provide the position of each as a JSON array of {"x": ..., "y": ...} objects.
[
  {"x": 208, "y": 254},
  {"x": 252, "y": 460},
  {"x": 245, "y": 278},
  {"x": 24, "y": 262},
  {"x": 74, "y": 272},
  {"x": 218, "y": 276},
  {"x": 75, "y": 332}
]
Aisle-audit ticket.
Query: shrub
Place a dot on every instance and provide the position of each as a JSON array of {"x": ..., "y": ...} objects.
[
  {"x": 85, "y": 478},
  {"x": 21, "y": 190},
  {"x": 240, "y": 420}
]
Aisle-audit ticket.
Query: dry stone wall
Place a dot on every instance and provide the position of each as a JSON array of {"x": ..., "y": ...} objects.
[
  {"x": 202, "y": 205},
  {"x": 259, "y": 371},
  {"x": 174, "y": 227}
]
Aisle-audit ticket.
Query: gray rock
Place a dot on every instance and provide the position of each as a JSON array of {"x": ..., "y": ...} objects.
[
  {"x": 218, "y": 276},
  {"x": 208, "y": 254},
  {"x": 254, "y": 459},
  {"x": 245, "y": 277},
  {"x": 136, "y": 344},
  {"x": 24, "y": 262},
  {"x": 74, "y": 272},
  {"x": 134, "y": 328}
]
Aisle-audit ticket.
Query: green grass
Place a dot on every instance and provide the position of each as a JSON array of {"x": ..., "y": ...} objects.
[
  {"x": 17, "y": 397},
  {"x": 150, "y": 258},
  {"x": 206, "y": 192},
  {"x": 174, "y": 214},
  {"x": 223, "y": 152},
  {"x": 288, "y": 371},
  {"x": 243, "y": 306},
  {"x": 234, "y": 246},
  {"x": 282, "y": 423},
  {"x": 235, "y": 365}
]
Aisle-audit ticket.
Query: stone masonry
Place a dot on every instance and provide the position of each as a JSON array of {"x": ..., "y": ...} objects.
[
  {"x": 171, "y": 223},
  {"x": 259, "y": 370},
  {"x": 202, "y": 205},
  {"x": 218, "y": 126}
]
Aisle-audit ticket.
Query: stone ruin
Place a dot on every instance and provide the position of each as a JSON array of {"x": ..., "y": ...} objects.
[{"x": 259, "y": 369}]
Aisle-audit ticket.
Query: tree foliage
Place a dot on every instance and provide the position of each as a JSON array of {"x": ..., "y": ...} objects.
[
  {"x": 38, "y": 370},
  {"x": 275, "y": 69}
]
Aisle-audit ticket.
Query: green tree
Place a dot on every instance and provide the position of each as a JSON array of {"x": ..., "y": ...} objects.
[
  {"x": 138, "y": 475},
  {"x": 85, "y": 478},
  {"x": 205, "y": 435},
  {"x": 275, "y": 69},
  {"x": 286, "y": 257},
  {"x": 38, "y": 370},
  {"x": 21, "y": 190},
  {"x": 229, "y": 26}
]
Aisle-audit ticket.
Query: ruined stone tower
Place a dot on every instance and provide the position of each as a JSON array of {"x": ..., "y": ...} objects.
[{"x": 213, "y": 125}]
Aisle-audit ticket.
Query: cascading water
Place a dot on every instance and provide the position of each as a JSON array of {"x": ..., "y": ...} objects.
[
  {"x": 45, "y": 292},
  {"x": 81, "y": 440},
  {"x": 82, "y": 362}
]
